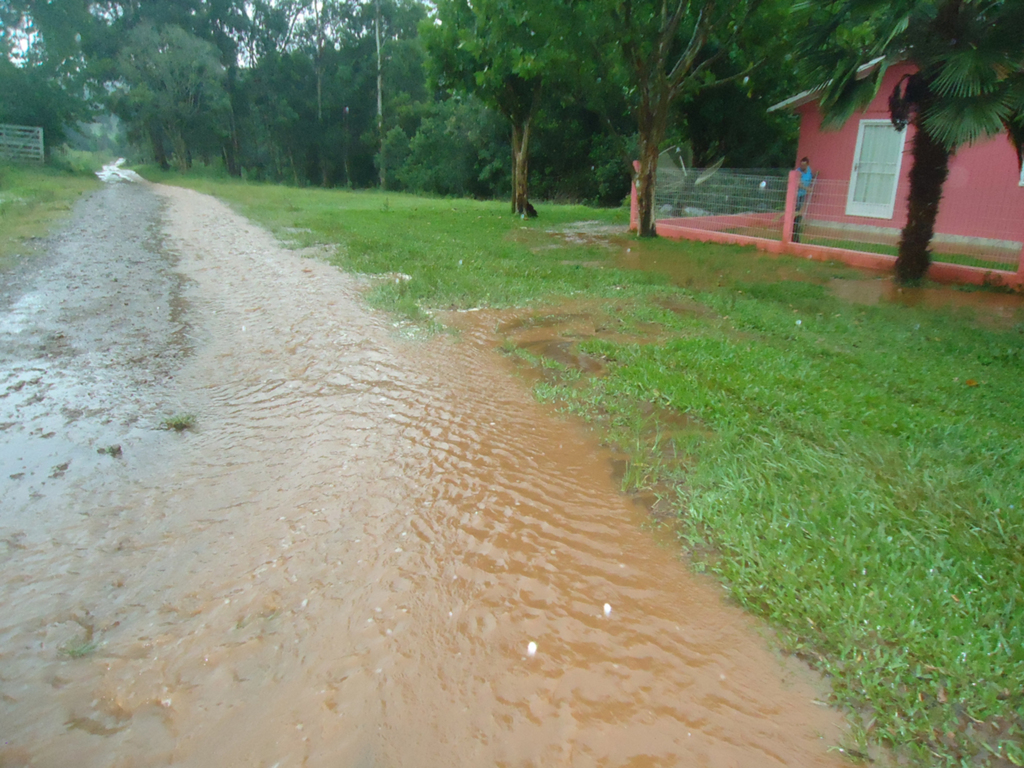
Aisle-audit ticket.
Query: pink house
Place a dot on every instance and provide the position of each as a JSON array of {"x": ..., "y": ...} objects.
[
  {"x": 983, "y": 198},
  {"x": 857, "y": 206}
]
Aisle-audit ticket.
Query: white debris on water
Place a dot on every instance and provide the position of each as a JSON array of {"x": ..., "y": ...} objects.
[
  {"x": 607, "y": 609},
  {"x": 113, "y": 173},
  {"x": 531, "y": 649}
]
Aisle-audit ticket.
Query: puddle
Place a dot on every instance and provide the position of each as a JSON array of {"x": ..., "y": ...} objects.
[
  {"x": 347, "y": 561},
  {"x": 694, "y": 271},
  {"x": 1003, "y": 309},
  {"x": 698, "y": 271},
  {"x": 89, "y": 335}
]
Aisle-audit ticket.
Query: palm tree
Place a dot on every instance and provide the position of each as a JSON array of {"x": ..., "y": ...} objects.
[{"x": 969, "y": 85}]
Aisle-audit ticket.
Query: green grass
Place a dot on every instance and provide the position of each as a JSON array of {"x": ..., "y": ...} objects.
[
  {"x": 458, "y": 252},
  {"x": 179, "y": 422},
  {"x": 855, "y": 474},
  {"x": 857, "y": 491},
  {"x": 33, "y": 199},
  {"x": 76, "y": 649}
]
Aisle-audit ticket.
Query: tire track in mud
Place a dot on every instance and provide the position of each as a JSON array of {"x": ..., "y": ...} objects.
[{"x": 345, "y": 563}]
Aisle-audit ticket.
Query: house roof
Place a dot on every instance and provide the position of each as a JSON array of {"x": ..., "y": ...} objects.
[{"x": 865, "y": 70}]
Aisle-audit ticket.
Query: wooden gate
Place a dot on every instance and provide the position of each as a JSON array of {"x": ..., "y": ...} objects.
[{"x": 21, "y": 144}]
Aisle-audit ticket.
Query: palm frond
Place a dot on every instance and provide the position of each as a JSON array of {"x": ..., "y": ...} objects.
[
  {"x": 970, "y": 72},
  {"x": 957, "y": 121},
  {"x": 846, "y": 94}
]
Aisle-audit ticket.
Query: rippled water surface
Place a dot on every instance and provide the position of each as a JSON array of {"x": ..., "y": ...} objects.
[{"x": 345, "y": 562}]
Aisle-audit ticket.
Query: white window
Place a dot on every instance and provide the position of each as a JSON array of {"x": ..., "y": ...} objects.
[{"x": 876, "y": 170}]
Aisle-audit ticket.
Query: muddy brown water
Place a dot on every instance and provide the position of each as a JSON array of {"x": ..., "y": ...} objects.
[
  {"x": 857, "y": 286},
  {"x": 345, "y": 563}
]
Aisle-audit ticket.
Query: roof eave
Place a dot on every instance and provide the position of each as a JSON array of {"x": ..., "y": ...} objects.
[{"x": 805, "y": 97}]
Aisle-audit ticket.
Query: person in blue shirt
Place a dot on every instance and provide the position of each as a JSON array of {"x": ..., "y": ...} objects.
[{"x": 806, "y": 179}]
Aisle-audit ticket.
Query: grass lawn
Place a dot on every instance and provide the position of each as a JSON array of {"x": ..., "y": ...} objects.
[
  {"x": 1002, "y": 259},
  {"x": 32, "y": 200},
  {"x": 855, "y": 474}
]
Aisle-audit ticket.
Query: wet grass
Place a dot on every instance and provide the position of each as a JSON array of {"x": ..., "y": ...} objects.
[
  {"x": 77, "y": 649},
  {"x": 1001, "y": 259},
  {"x": 855, "y": 474},
  {"x": 861, "y": 485},
  {"x": 33, "y": 199},
  {"x": 179, "y": 422}
]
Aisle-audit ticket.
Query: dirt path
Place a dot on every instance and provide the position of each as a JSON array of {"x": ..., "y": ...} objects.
[{"x": 345, "y": 564}]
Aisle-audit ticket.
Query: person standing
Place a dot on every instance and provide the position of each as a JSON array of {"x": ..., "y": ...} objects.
[{"x": 806, "y": 179}]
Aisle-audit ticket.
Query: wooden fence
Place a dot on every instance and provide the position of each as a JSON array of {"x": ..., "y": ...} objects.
[{"x": 21, "y": 144}]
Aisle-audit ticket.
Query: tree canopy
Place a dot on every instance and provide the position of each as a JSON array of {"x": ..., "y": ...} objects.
[{"x": 540, "y": 98}]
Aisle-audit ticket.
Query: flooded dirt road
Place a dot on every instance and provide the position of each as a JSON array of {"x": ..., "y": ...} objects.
[{"x": 346, "y": 562}]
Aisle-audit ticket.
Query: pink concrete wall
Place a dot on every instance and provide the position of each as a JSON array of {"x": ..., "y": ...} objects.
[{"x": 982, "y": 197}]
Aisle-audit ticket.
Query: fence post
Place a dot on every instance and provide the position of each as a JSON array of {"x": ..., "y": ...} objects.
[
  {"x": 790, "y": 212},
  {"x": 634, "y": 206}
]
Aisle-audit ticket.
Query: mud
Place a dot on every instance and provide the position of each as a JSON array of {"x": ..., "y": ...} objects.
[
  {"x": 90, "y": 335},
  {"x": 347, "y": 559},
  {"x": 687, "y": 269},
  {"x": 993, "y": 308}
]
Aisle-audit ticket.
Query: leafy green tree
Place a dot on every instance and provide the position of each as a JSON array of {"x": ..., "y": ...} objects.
[
  {"x": 29, "y": 95},
  {"x": 174, "y": 88},
  {"x": 505, "y": 52},
  {"x": 969, "y": 85},
  {"x": 42, "y": 68},
  {"x": 666, "y": 49},
  {"x": 458, "y": 148}
]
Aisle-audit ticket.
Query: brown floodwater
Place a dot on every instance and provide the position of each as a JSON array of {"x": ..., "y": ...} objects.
[
  {"x": 345, "y": 563},
  {"x": 690, "y": 269},
  {"x": 998, "y": 308}
]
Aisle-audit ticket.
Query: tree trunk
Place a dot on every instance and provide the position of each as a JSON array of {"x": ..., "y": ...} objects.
[
  {"x": 156, "y": 138},
  {"x": 521, "y": 167},
  {"x": 652, "y": 121},
  {"x": 927, "y": 175},
  {"x": 380, "y": 104},
  {"x": 645, "y": 186},
  {"x": 181, "y": 157},
  {"x": 231, "y": 146}
]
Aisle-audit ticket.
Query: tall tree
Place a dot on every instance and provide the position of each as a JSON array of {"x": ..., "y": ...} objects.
[
  {"x": 174, "y": 88},
  {"x": 969, "y": 85},
  {"x": 506, "y": 53},
  {"x": 43, "y": 74},
  {"x": 665, "y": 49},
  {"x": 30, "y": 95}
]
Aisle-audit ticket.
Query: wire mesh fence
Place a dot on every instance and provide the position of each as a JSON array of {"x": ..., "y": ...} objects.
[
  {"x": 824, "y": 220},
  {"x": 744, "y": 202},
  {"x": 971, "y": 232}
]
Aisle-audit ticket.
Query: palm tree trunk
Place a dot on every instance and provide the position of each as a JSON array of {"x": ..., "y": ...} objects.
[{"x": 927, "y": 175}]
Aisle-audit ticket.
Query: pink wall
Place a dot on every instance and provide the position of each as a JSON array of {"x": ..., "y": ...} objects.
[{"x": 982, "y": 196}]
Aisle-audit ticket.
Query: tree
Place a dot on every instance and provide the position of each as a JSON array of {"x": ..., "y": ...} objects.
[
  {"x": 174, "y": 88},
  {"x": 969, "y": 85},
  {"x": 29, "y": 95},
  {"x": 670, "y": 48},
  {"x": 42, "y": 70},
  {"x": 506, "y": 53}
]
